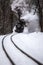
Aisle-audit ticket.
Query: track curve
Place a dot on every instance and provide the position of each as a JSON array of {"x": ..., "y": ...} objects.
[
  {"x": 11, "y": 61},
  {"x": 36, "y": 61}
]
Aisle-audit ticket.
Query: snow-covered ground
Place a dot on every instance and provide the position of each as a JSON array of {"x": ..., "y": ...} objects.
[{"x": 30, "y": 43}]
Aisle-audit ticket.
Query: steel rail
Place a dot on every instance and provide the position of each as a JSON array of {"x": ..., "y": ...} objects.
[
  {"x": 11, "y": 61},
  {"x": 36, "y": 61}
]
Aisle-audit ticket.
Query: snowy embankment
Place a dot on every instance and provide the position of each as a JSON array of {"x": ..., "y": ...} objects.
[{"x": 31, "y": 43}]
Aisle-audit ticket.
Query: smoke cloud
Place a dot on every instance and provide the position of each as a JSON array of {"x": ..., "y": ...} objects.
[{"x": 28, "y": 14}]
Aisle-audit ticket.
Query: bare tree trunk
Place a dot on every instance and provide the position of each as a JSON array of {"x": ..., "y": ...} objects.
[{"x": 40, "y": 13}]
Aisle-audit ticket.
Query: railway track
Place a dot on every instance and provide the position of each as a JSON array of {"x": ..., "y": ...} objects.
[
  {"x": 25, "y": 52},
  {"x": 11, "y": 61}
]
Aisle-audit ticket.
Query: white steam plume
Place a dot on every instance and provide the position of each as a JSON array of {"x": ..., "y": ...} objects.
[{"x": 30, "y": 17}]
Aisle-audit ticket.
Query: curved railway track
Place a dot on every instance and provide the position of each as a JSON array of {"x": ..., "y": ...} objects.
[
  {"x": 11, "y": 61},
  {"x": 25, "y": 52},
  {"x": 6, "y": 51}
]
